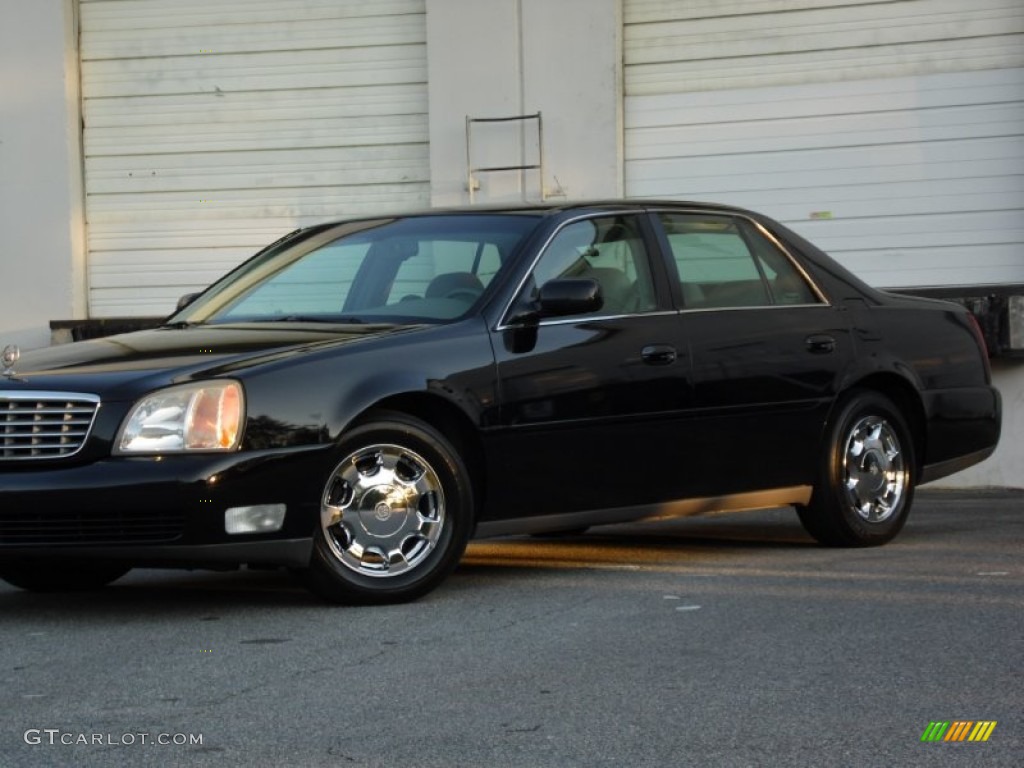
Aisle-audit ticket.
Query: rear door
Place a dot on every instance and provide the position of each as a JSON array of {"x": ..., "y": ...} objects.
[{"x": 766, "y": 349}]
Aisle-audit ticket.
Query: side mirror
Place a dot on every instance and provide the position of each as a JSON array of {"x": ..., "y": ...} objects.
[
  {"x": 185, "y": 300},
  {"x": 575, "y": 296}
]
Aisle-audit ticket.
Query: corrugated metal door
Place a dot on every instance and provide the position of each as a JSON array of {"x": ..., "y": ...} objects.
[
  {"x": 211, "y": 127},
  {"x": 891, "y": 134}
]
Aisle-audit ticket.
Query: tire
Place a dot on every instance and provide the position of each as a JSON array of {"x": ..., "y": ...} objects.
[
  {"x": 866, "y": 481},
  {"x": 396, "y": 512},
  {"x": 61, "y": 576}
]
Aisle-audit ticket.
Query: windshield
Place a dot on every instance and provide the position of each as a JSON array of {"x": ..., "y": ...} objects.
[{"x": 407, "y": 270}]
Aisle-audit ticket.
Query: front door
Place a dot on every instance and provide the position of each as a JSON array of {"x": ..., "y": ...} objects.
[{"x": 590, "y": 404}]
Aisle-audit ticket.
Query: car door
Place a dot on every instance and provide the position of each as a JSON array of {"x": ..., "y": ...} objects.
[
  {"x": 766, "y": 347},
  {"x": 589, "y": 403}
]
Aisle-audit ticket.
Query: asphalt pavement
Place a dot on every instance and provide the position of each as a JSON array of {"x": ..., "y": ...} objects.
[{"x": 723, "y": 641}]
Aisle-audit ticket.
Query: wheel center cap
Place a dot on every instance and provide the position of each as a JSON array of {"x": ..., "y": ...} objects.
[
  {"x": 874, "y": 475},
  {"x": 383, "y": 510}
]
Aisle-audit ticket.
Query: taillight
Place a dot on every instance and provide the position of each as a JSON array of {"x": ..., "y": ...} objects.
[{"x": 980, "y": 338}]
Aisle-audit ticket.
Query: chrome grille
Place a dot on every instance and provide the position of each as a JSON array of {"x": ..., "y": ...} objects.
[{"x": 44, "y": 425}]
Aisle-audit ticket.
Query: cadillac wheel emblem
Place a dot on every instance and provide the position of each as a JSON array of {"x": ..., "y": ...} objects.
[{"x": 9, "y": 358}]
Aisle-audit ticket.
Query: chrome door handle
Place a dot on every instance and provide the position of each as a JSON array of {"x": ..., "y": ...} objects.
[
  {"x": 821, "y": 344},
  {"x": 658, "y": 354}
]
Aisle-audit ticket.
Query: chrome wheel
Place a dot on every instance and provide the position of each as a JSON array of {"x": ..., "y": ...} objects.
[
  {"x": 875, "y": 475},
  {"x": 395, "y": 513},
  {"x": 865, "y": 483},
  {"x": 383, "y": 511}
]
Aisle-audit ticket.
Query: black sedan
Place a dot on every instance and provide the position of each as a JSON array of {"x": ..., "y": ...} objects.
[{"x": 362, "y": 397}]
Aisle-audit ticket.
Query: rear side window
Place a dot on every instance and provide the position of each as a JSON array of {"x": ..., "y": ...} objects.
[{"x": 722, "y": 262}]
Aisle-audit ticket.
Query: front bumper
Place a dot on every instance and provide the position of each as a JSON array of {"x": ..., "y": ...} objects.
[{"x": 162, "y": 511}]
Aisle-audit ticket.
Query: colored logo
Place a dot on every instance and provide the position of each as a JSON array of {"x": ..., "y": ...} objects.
[{"x": 958, "y": 730}]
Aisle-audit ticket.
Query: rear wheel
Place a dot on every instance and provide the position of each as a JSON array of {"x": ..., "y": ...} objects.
[
  {"x": 61, "y": 576},
  {"x": 866, "y": 481},
  {"x": 395, "y": 514}
]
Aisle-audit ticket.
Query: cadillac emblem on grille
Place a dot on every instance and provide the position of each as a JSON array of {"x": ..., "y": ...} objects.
[{"x": 10, "y": 357}]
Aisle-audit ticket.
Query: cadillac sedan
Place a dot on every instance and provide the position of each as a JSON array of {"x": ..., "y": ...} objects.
[{"x": 361, "y": 398}]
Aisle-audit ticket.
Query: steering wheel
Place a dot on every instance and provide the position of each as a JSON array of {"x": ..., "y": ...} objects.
[{"x": 463, "y": 294}]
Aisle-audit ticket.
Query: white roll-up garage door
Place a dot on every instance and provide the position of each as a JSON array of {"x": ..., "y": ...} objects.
[
  {"x": 891, "y": 134},
  {"x": 211, "y": 127}
]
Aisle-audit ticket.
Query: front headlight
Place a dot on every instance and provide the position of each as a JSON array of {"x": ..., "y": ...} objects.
[{"x": 191, "y": 417}]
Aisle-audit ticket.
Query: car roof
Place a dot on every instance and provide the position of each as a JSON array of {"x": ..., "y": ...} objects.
[
  {"x": 552, "y": 209},
  {"x": 582, "y": 205}
]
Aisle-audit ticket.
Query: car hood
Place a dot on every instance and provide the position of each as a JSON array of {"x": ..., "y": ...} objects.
[{"x": 156, "y": 357}]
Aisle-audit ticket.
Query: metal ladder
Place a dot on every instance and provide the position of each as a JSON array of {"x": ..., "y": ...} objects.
[{"x": 471, "y": 182}]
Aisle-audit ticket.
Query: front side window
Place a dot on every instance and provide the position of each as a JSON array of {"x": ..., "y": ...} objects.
[
  {"x": 607, "y": 249},
  {"x": 724, "y": 262}
]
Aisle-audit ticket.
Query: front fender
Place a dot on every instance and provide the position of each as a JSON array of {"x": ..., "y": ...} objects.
[{"x": 318, "y": 397}]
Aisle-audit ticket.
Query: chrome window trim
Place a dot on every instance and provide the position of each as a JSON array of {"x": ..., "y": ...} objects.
[
  {"x": 577, "y": 319},
  {"x": 793, "y": 261},
  {"x": 503, "y": 324},
  {"x": 824, "y": 300},
  {"x": 753, "y": 306}
]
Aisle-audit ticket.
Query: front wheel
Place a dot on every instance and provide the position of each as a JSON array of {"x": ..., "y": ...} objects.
[
  {"x": 395, "y": 514},
  {"x": 866, "y": 481}
]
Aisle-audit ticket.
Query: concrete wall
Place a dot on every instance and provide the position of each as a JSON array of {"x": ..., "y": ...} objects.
[
  {"x": 511, "y": 57},
  {"x": 42, "y": 253}
]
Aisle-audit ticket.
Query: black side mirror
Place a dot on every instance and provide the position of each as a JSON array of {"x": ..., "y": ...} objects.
[
  {"x": 575, "y": 296},
  {"x": 559, "y": 298}
]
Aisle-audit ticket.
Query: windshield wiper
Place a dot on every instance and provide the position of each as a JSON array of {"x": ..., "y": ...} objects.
[
  {"x": 313, "y": 319},
  {"x": 322, "y": 319},
  {"x": 180, "y": 324}
]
